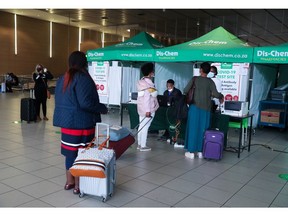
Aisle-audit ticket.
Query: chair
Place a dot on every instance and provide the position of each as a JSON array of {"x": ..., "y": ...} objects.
[{"x": 237, "y": 124}]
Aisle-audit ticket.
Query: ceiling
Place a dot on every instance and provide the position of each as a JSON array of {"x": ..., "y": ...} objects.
[{"x": 258, "y": 27}]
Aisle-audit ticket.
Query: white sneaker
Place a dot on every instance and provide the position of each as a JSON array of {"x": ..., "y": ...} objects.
[
  {"x": 145, "y": 148},
  {"x": 200, "y": 155},
  {"x": 168, "y": 140},
  {"x": 176, "y": 145},
  {"x": 138, "y": 147},
  {"x": 189, "y": 155}
]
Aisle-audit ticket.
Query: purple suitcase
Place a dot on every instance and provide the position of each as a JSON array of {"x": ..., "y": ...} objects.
[{"x": 213, "y": 144}]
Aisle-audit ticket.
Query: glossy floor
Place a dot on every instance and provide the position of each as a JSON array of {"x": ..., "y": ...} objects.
[{"x": 32, "y": 172}]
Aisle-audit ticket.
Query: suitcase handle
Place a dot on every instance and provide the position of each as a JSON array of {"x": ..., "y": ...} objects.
[{"x": 107, "y": 134}]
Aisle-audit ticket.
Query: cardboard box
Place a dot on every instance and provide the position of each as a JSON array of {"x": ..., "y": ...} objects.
[{"x": 271, "y": 116}]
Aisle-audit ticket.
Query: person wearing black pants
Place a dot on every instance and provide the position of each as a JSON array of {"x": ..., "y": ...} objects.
[{"x": 40, "y": 77}]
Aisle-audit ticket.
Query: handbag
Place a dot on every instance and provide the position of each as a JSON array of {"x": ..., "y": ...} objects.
[
  {"x": 190, "y": 94},
  {"x": 92, "y": 161},
  {"x": 48, "y": 94}
]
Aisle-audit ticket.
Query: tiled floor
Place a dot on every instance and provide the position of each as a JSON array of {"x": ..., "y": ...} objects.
[{"x": 32, "y": 170}]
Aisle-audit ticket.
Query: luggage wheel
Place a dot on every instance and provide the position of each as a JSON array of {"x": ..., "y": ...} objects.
[
  {"x": 81, "y": 195},
  {"x": 103, "y": 199}
]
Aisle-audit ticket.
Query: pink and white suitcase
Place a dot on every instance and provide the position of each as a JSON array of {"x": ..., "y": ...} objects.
[{"x": 101, "y": 187}]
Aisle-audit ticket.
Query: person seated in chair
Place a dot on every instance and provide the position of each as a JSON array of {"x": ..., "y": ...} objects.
[
  {"x": 174, "y": 95},
  {"x": 11, "y": 80}
]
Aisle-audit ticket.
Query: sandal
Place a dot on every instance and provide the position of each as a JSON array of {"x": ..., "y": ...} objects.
[
  {"x": 76, "y": 191},
  {"x": 69, "y": 186}
]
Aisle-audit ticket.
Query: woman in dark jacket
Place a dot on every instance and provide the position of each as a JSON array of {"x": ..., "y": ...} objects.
[
  {"x": 77, "y": 110},
  {"x": 40, "y": 77}
]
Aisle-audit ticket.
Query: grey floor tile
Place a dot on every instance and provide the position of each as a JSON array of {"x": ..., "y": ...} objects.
[
  {"x": 156, "y": 178},
  {"x": 21, "y": 180},
  {"x": 182, "y": 185},
  {"x": 121, "y": 198},
  {"x": 5, "y": 188},
  {"x": 143, "y": 202},
  {"x": 257, "y": 194},
  {"x": 31, "y": 166},
  {"x": 32, "y": 170},
  {"x": 8, "y": 172},
  {"x": 91, "y": 202},
  {"x": 197, "y": 177},
  {"x": 14, "y": 198},
  {"x": 41, "y": 189},
  {"x": 225, "y": 185},
  {"x": 48, "y": 172},
  {"x": 265, "y": 184},
  {"x": 149, "y": 165},
  {"x": 61, "y": 198},
  {"x": 281, "y": 200},
  {"x": 193, "y": 201},
  {"x": 35, "y": 204},
  {"x": 166, "y": 196},
  {"x": 12, "y": 161},
  {"x": 138, "y": 186},
  {"x": 243, "y": 201},
  {"x": 213, "y": 194},
  {"x": 169, "y": 170},
  {"x": 235, "y": 177},
  {"x": 132, "y": 171}
]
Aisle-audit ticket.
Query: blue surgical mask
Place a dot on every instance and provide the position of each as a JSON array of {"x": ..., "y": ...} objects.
[{"x": 210, "y": 74}]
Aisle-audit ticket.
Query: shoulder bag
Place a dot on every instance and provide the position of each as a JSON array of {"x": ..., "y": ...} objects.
[{"x": 190, "y": 94}]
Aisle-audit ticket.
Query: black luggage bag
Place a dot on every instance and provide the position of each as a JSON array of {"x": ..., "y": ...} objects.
[{"x": 28, "y": 110}]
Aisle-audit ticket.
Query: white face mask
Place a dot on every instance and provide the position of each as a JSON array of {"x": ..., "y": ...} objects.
[
  {"x": 170, "y": 90},
  {"x": 210, "y": 74}
]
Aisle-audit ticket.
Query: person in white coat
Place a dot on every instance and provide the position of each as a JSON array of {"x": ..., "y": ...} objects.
[{"x": 147, "y": 104}]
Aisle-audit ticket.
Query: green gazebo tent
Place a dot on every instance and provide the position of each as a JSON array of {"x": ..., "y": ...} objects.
[
  {"x": 217, "y": 45},
  {"x": 138, "y": 48}
]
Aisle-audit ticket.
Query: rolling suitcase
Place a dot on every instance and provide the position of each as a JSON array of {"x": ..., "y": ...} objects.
[
  {"x": 121, "y": 145},
  {"x": 101, "y": 187},
  {"x": 3, "y": 87},
  {"x": 120, "y": 141},
  {"x": 28, "y": 110},
  {"x": 213, "y": 144}
]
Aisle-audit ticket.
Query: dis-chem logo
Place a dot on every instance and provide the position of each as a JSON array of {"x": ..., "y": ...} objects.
[
  {"x": 166, "y": 54},
  {"x": 207, "y": 42},
  {"x": 95, "y": 54},
  {"x": 272, "y": 53},
  {"x": 129, "y": 44}
]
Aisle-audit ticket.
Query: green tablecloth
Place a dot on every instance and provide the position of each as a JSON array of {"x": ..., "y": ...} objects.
[{"x": 162, "y": 120}]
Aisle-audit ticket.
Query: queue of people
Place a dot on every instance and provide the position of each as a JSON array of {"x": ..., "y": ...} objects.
[
  {"x": 78, "y": 108},
  {"x": 199, "y": 112}
]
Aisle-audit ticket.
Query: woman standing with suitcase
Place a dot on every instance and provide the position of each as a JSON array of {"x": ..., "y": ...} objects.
[
  {"x": 199, "y": 111},
  {"x": 77, "y": 110}
]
